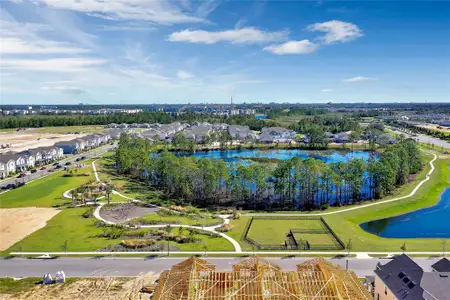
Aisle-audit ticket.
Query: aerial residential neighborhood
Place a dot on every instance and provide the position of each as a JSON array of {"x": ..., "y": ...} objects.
[{"x": 224, "y": 150}]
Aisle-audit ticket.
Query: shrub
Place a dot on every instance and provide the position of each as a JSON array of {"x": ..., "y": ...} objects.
[
  {"x": 113, "y": 232},
  {"x": 224, "y": 228},
  {"x": 236, "y": 215},
  {"x": 138, "y": 243},
  {"x": 89, "y": 212}
]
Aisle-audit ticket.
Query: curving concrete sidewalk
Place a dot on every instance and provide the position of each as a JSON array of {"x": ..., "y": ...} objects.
[
  {"x": 413, "y": 192},
  {"x": 226, "y": 218},
  {"x": 237, "y": 247}
]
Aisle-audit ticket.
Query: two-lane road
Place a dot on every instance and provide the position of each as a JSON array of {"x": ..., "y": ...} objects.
[{"x": 89, "y": 267}]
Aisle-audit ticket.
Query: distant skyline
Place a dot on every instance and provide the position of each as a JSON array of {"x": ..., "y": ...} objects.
[{"x": 156, "y": 52}]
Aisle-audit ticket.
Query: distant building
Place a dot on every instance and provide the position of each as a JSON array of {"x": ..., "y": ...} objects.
[{"x": 276, "y": 135}]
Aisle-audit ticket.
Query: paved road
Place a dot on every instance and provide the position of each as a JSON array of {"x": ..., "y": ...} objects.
[
  {"x": 41, "y": 173},
  {"x": 422, "y": 138},
  {"x": 88, "y": 267}
]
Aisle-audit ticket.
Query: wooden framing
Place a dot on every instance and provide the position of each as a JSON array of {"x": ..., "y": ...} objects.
[{"x": 255, "y": 278}]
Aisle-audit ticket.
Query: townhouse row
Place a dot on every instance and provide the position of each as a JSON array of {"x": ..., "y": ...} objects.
[{"x": 14, "y": 162}]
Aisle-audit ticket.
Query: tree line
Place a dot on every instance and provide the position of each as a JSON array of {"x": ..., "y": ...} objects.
[{"x": 296, "y": 183}]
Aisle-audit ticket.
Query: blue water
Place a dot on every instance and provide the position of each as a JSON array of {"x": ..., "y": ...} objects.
[
  {"x": 431, "y": 222},
  {"x": 282, "y": 154}
]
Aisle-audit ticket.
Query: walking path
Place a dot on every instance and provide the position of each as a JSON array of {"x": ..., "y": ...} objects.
[
  {"x": 226, "y": 220},
  {"x": 413, "y": 192}
]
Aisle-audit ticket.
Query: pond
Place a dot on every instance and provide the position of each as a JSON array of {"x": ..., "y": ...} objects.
[
  {"x": 431, "y": 222},
  {"x": 327, "y": 156}
]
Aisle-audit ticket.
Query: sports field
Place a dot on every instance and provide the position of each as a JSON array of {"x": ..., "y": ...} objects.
[{"x": 309, "y": 233}]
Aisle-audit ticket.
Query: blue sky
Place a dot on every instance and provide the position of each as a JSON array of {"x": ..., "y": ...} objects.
[{"x": 142, "y": 51}]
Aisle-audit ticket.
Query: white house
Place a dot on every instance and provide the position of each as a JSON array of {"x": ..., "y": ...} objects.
[
  {"x": 30, "y": 160},
  {"x": 276, "y": 135}
]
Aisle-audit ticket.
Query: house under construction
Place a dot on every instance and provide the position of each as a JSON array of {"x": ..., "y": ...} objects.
[{"x": 255, "y": 278}]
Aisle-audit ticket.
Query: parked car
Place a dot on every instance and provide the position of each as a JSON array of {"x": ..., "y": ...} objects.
[
  {"x": 10, "y": 186},
  {"x": 78, "y": 159},
  {"x": 50, "y": 170},
  {"x": 68, "y": 163},
  {"x": 43, "y": 168},
  {"x": 58, "y": 166},
  {"x": 21, "y": 175},
  {"x": 83, "y": 157},
  {"x": 33, "y": 171},
  {"x": 55, "y": 164}
]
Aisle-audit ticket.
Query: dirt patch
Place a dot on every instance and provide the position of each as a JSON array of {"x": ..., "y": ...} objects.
[
  {"x": 24, "y": 140},
  {"x": 93, "y": 289},
  {"x": 17, "y": 223},
  {"x": 125, "y": 212}
]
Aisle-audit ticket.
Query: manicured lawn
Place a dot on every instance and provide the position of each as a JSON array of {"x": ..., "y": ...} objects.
[
  {"x": 135, "y": 190},
  {"x": 211, "y": 243},
  {"x": 71, "y": 129},
  {"x": 346, "y": 225},
  {"x": 45, "y": 192},
  {"x": 82, "y": 235},
  {"x": 204, "y": 221},
  {"x": 274, "y": 231},
  {"x": 69, "y": 225}
]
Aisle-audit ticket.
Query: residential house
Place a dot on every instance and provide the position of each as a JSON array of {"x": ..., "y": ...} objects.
[
  {"x": 70, "y": 147},
  {"x": 114, "y": 134},
  {"x": 52, "y": 153},
  {"x": 240, "y": 132},
  {"x": 198, "y": 133},
  {"x": 7, "y": 165},
  {"x": 276, "y": 135},
  {"x": 20, "y": 162},
  {"x": 404, "y": 279},
  {"x": 342, "y": 138},
  {"x": 30, "y": 160},
  {"x": 442, "y": 265},
  {"x": 36, "y": 153},
  {"x": 123, "y": 125}
]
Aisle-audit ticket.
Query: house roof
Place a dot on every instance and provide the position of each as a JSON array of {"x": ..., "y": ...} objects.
[
  {"x": 442, "y": 265},
  {"x": 7, "y": 156},
  {"x": 436, "y": 285},
  {"x": 402, "y": 276}
]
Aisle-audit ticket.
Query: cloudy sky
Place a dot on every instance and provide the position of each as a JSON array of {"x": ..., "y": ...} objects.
[{"x": 144, "y": 51}]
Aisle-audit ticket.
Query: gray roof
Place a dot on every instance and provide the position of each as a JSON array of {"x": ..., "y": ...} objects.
[
  {"x": 442, "y": 265},
  {"x": 7, "y": 156},
  {"x": 436, "y": 285},
  {"x": 402, "y": 276}
]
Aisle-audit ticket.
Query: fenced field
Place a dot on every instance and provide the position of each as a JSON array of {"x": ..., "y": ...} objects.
[{"x": 291, "y": 233}]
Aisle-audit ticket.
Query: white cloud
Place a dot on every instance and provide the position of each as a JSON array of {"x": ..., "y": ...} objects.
[
  {"x": 359, "y": 79},
  {"x": 71, "y": 90},
  {"x": 52, "y": 65},
  {"x": 10, "y": 45},
  {"x": 336, "y": 31},
  {"x": 293, "y": 47},
  {"x": 184, "y": 75},
  {"x": 161, "y": 12},
  {"x": 248, "y": 35},
  {"x": 326, "y": 90}
]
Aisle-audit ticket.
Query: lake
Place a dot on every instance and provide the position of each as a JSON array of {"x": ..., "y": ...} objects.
[
  {"x": 327, "y": 156},
  {"x": 431, "y": 222}
]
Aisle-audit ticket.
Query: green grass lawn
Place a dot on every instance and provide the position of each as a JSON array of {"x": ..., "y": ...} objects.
[
  {"x": 45, "y": 192},
  {"x": 346, "y": 224},
  {"x": 82, "y": 235},
  {"x": 274, "y": 231},
  {"x": 69, "y": 129},
  {"x": 69, "y": 225},
  {"x": 125, "y": 186},
  {"x": 205, "y": 220}
]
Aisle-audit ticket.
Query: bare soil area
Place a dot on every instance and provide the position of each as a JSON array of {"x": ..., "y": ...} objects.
[
  {"x": 17, "y": 223},
  {"x": 125, "y": 212},
  {"x": 23, "y": 140},
  {"x": 89, "y": 288}
]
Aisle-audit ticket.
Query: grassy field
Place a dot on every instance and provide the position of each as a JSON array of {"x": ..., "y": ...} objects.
[
  {"x": 82, "y": 235},
  {"x": 45, "y": 192},
  {"x": 346, "y": 224},
  {"x": 266, "y": 231},
  {"x": 204, "y": 221}
]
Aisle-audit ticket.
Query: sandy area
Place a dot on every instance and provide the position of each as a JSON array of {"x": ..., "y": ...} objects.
[
  {"x": 435, "y": 127},
  {"x": 17, "y": 223},
  {"x": 23, "y": 140},
  {"x": 92, "y": 289},
  {"x": 125, "y": 212}
]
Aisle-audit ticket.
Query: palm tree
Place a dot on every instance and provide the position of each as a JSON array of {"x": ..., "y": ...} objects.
[
  {"x": 109, "y": 188},
  {"x": 74, "y": 194}
]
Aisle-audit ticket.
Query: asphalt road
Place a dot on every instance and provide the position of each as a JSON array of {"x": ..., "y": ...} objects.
[
  {"x": 422, "y": 138},
  {"x": 41, "y": 173},
  {"x": 90, "y": 267}
]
